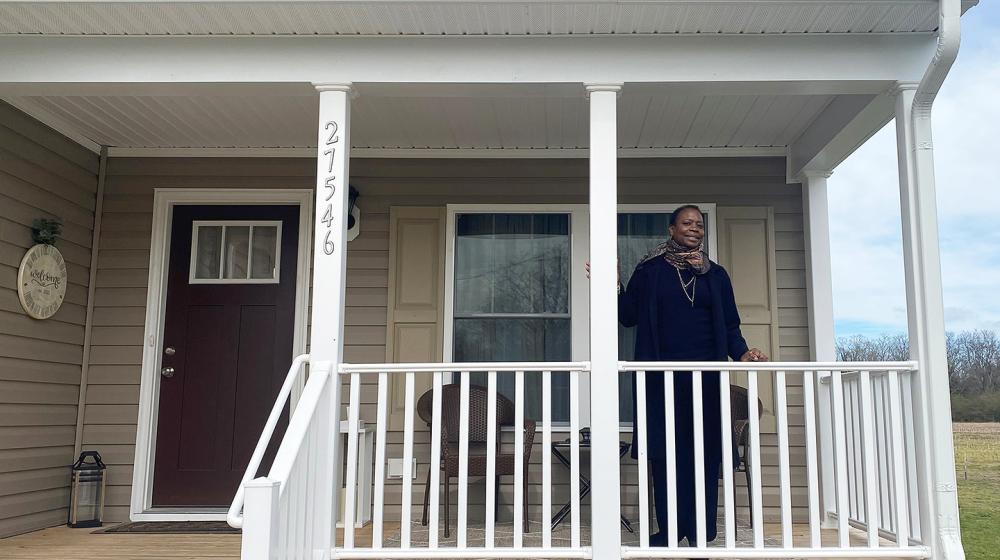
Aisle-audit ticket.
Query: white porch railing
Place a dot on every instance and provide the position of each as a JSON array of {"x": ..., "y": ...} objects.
[
  {"x": 289, "y": 513},
  {"x": 866, "y": 456},
  {"x": 432, "y": 547},
  {"x": 872, "y": 478}
]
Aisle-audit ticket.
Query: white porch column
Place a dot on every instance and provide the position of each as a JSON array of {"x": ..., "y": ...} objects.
[
  {"x": 330, "y": 260},
  {"x": 822, "y": 341},
  {"x": 939, "y": 526},
  {"x": 604, "y": 460}
]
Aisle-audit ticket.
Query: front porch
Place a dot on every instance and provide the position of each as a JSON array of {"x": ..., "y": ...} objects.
[
  {"x": 531, "y": 166},
  {"x": 62, "y": 542}
]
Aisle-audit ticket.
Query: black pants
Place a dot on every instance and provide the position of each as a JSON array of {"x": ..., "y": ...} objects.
[{"x": 686, "y": 514}]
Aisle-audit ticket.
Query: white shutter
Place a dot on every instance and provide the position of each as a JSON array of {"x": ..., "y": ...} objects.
[{"x": 416, "y": 296}]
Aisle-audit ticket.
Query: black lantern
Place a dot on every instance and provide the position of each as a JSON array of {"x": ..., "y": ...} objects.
[
  {"x": 352, "y": 199},
  {"x": 86, "y": 497}
]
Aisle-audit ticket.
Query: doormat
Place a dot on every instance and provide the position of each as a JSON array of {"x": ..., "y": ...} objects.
[{"x": 170, "y": 527}]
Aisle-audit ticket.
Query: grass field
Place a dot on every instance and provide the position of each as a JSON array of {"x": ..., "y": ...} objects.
[{"x": 979, "y": 496}]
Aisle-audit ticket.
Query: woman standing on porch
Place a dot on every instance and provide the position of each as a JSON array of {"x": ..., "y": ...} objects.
[{"x": 683, "y": 308}]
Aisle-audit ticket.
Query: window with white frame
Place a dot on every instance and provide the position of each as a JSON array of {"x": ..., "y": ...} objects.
[
  {"x": 235, "y": 252},
  {"x": 512, "y": 298},
  {"x": 517, "y": 290}
]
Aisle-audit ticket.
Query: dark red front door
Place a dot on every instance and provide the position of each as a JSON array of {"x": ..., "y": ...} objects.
[{"x": 227, "y": 341}]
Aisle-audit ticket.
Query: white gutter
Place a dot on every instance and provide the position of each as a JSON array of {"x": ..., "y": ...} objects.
[{"x": 949, "y": 37}]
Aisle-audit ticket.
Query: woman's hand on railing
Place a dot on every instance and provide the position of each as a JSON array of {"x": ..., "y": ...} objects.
[{"x": 754, "y": 355}]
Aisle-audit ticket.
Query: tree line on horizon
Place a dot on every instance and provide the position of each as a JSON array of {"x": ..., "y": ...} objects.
[{"x": 973, "y": 367}]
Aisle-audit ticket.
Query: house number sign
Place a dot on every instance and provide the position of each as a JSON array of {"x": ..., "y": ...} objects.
[
  {"x": 41, "y": 281},
  {"x": 330, "y": 184}
]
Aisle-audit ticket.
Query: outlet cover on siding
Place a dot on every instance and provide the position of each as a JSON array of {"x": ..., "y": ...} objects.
[{"x": 396, "y": 468}]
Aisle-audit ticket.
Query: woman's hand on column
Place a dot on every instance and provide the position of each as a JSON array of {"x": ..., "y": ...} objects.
[{"x": 619, "y": 271}]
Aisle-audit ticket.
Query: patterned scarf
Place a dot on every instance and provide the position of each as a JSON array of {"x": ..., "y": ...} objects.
[{"x": 680, "y": 256}]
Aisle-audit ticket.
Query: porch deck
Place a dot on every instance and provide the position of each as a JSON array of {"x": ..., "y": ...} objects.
[{"x": 63, "y": 542}]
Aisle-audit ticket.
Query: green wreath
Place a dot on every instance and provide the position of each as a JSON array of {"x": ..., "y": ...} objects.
[{"x": 45, "y": 231}]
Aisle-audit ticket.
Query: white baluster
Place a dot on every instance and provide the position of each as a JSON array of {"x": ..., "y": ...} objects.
[
  {"x": 407, "y": 496},
  {"x": 435, "y": 465},
  {"x": 840, "y": 456},
  {"x": 463, "y": 461},
  {"x": 906, "y": 394},
  {"x": 852, "y": 487},
  {"x": 699, "y": 459},
  {"x": 812, "y": 470},
  {"x": 640, "y": 441},
  {"x": 350, "y": 498},
  {"x": 546, "y": 459},
  {"x": 784, "y": 467},
  {"x": 671, "y": 456},
  {"x": 871, "y": 474},
  {"x": 574, "y": 457},
  {"x": 899, "y": 461},
  {"x": 757, "y": 513},
  {"x": 519, "y": 473},
  {"x": 381, "y": 420},
  {"x": 729, "y": 505},
  {"x": 491, "y": 457}
]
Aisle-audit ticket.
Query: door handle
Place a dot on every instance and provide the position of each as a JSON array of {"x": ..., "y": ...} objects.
[
  {"x": 169, "y": 350},
  {"x": 167, "y": 372}
]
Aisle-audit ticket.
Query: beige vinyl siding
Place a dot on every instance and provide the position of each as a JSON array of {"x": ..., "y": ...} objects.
[
  {"x": 726, "y": 182},
  {"x": 112, "y": 402},
  {"x": 42, "y": 175}
]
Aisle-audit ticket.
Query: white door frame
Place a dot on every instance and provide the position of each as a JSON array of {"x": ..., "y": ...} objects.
[{"x": 164, "y": 201}]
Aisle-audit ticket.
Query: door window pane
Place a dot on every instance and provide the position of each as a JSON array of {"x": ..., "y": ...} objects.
[
  {"x": 236, "y": 252},
  {"x": 512, "y": 298},
  {"x": 264, "y": 260},
  {"x": 208, "y": 252}
]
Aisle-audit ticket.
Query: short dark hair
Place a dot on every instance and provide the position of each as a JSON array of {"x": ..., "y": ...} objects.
[{"x": 676, "y": 213}]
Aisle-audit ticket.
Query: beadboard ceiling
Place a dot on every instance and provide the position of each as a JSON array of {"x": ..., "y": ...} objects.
[
  {"x": 467, "y": 17},
  {"x": 536, "y": 117}
]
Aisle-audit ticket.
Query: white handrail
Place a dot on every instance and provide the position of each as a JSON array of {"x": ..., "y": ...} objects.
[
  {"x": 768, "y": 366},
  {"x": 235, "y": 514},
  {"x": 457, "y": 367}
]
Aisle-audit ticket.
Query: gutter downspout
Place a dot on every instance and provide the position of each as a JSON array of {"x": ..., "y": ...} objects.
[
  {"x": 939, "y": 522},
  {"x": 88, "y": 329}
]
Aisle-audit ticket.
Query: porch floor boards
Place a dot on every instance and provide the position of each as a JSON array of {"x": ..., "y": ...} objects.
[{"x": 63, "y": 542}]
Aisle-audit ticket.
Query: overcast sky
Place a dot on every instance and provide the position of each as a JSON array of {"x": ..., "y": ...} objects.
[{"x": 864, "y": 202}]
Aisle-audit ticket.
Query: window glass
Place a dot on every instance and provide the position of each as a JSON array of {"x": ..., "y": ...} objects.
[
  {"x": 235, "y": 252},
  {"x": 264, "y": 259},
  {"x": 208, "y": 252},
  {"x": 512, "y": 283}
]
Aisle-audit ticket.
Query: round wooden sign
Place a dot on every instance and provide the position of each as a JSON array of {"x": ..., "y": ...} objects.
[{"x": 41, "y": 281}]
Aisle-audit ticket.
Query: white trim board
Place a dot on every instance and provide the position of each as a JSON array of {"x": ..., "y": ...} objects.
[
  {"x": 452, "y": 153},
  {"x": 164, "y": 200}
]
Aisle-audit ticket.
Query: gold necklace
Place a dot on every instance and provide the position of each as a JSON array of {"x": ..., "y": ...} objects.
[{"x": 692, "y": 282}]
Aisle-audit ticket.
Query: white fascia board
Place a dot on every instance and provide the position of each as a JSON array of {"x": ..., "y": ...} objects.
[
  {"x": 837, "y": 132},
  {"x": 48, "y": 60},
  {"x": 449, "y": 153}
]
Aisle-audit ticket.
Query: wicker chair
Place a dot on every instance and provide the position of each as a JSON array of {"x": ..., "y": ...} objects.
[
  {"x": 740, "y": 413},
  {"x": 450, "y": 407}
]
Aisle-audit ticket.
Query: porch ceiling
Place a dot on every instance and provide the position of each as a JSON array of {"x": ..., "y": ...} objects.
[
  {"x": 532, "y": 118},
  {"x": 467, "y": 17}
]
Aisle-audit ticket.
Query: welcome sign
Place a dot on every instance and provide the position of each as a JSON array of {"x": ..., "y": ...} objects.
[{"x": 41, "y": 281}]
